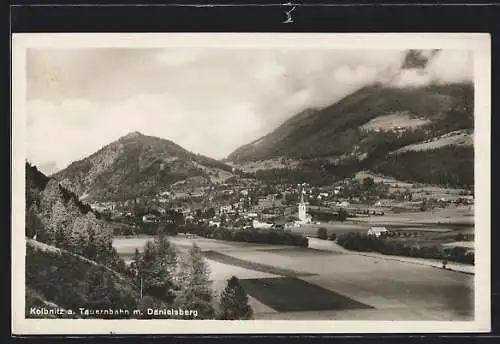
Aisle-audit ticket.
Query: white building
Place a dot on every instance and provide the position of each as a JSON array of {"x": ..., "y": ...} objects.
[
  {"x": 377, "y": 231},
  {"x": 304, "y": 218},
  {"x": 343, "y": 204},
  {"x": 261, "y": 225},
  {"x": 225, "y": 209},
  {"x": 251, "y": 215},
  {"x": 149, "y": 218}
]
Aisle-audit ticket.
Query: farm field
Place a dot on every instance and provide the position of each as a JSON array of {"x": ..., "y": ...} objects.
[
  {"x": 293, "y": 283},
  {"x": 451, "y": 216},
  {"x": 332, "y": 227},
  {"x": 443, "y": 231}
]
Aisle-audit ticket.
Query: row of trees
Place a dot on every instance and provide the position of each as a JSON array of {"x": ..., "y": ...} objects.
[
  {"x": 263, "y": 236},
  {"x": 366, "y": 243},
  {"x": 168, "y": 279},
  {"x": 322, "y": 233}
]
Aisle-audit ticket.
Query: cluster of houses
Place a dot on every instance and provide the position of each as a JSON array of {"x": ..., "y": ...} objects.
[{"x": 252, "y": 203}]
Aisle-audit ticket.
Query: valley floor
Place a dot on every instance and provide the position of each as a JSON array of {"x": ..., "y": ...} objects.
[{"x": 327, "y": 282}]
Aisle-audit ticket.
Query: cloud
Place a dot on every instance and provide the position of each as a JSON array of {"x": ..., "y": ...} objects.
[
  {"x": 208, "y": 101},
  {"x": 412, "y": 78},
  {"x": 452, "y": 66},
  {"x": 443, "y": 67}
]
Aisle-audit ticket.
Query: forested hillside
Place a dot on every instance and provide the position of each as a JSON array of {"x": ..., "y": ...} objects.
[
  {"x": 369, "y": 129},
  {"x": 136, "y": 165},
  {"x": 72, "y": 265}
]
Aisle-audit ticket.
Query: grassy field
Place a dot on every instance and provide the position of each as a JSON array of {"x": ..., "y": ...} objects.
[
  {"x": 459, "y": 139},
  {"x": 388, "y": 122},
  {"x": 291, "y": 294},
  {"x": 453, "y": 216},
  {"x": 298, "y": 252},
  {"x": 332, "y": 227},
  {"x": 223, "y": 258}
]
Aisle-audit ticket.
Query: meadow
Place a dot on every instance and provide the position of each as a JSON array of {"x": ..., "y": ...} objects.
[{"x": 330, "y": 283}]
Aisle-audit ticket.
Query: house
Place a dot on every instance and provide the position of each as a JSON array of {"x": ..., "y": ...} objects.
[
  {"x": 149, "y": 218},
  {"x": 377, "y": 231},
  {"x": 261, "y": 225},
  {"x": 224, "y": 209},
  {"x": 251, "y": 215},
  {"x": 214, "y": 223}
]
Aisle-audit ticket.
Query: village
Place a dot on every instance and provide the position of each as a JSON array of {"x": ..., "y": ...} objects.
[{"x": 248, "y": 203}]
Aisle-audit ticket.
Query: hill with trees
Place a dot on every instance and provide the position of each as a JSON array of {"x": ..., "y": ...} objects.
[
  {"x": 69, "y": 252},
  {"x": 137, "y": 165},
  {"x": 72, "y": 265}
]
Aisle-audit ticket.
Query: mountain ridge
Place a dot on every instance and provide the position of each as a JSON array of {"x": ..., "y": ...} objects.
[
  {"x": 137, "y": 165},
  {"x": 363, "y": 128}
]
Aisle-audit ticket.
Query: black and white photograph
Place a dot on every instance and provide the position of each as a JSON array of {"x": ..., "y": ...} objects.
[{"x": 285, "y": 182}]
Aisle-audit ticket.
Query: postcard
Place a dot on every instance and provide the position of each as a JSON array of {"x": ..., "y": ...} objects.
[{"x": 250, "y": 183}]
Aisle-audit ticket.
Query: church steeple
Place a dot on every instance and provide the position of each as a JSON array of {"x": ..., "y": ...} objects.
[{"x": 302, "y": 209}]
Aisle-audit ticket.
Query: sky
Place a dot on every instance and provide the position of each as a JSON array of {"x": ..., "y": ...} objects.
[{"x": 210, "y": 101}]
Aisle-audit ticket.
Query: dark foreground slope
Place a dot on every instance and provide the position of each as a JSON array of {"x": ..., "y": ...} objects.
[{"x": 59, "y": 279}]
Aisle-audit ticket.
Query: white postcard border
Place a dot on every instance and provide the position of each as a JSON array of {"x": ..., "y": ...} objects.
[{"x": 479, "y": 43}]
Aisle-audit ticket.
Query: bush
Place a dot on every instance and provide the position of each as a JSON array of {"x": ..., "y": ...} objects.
[
  {"x": 333, "y": 237},
  {"x": 342, "y": 215},
  {"x": 261, "y": 236},
  {"x": 322, "y": 233}
]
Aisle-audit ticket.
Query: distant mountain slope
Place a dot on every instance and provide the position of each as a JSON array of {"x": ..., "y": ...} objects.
[
  {"x": 335, "y": 129},
  {"x": 133, "y": 166},
  {"x": 362, "y": 129}
]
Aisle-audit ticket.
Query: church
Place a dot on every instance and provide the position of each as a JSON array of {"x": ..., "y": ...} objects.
[{"x": 303, "y": 217}]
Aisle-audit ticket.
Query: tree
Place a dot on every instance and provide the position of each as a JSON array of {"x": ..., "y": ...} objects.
[
  {"x": 150, "y": 303},
  {"x": 175, "y": 217},
  {"x": 198, "y": 213},
  {"x": 333, "y": 237},
  {"x": 58, "y": 226},
  {"x": 342, "y": 215},
  {"x": 159, "y": 260},
  {"x": 210, "y": 212},
  {"x": 135, "y": 269},
  {"x": 368, "y": 182},
  {"x": 194, "y": 284},
  {"x": 32, "y": 222},
  {"x": 100, "y": 291},
  {"x": 322, "y": 233},
  {"x": 234, "y": 302}
]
